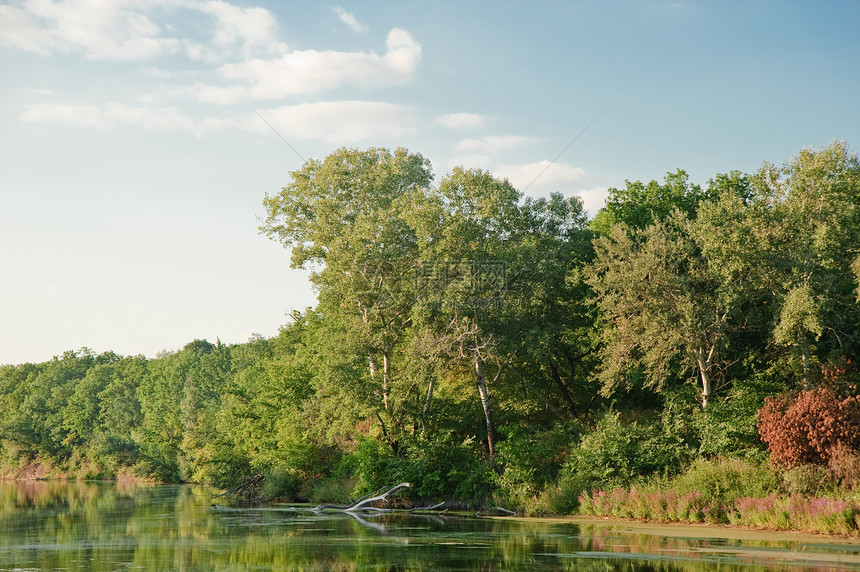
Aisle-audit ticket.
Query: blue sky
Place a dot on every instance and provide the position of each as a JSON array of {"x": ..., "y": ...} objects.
[{"x": 134, "y": 158}]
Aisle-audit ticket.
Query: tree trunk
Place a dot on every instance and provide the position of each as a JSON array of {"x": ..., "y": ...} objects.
[
  {"x": 372, "y": 364},
  {"x": 562, "y": 388},
  {"x": 485, "y": 403},
  {"x": 386, "y": 373},
  {"x": 707, "y": 382},
  {"x": 426, "y": 412}
]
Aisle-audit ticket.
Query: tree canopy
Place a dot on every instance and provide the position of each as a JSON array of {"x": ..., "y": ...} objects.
[{"x": 478, "y": 342}]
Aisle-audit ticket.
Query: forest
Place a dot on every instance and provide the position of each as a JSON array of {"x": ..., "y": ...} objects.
[{"x": 688, "y": 353}]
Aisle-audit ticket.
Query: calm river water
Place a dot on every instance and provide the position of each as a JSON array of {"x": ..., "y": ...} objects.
[{"x": 106, "y": 527}]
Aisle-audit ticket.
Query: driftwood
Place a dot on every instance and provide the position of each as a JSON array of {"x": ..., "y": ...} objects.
[{"x": 363, "y": 504}]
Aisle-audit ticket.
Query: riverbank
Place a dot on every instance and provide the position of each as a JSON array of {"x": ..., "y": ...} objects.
[
  {"x": 690, "y": 530},
  {"x": 40, "y": 471},
  {"x": 796, "y": 512}
]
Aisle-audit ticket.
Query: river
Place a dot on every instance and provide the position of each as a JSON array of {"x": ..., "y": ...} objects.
[{"x": 74, "y": 526}]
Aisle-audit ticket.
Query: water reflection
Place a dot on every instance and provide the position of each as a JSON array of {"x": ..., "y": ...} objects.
[{"x": 96, "y": 526}]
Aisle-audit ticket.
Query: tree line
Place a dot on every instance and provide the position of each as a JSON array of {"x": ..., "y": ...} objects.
[{"x": 480, "y": 343}]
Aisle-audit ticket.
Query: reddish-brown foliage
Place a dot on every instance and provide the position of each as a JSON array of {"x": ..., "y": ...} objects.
[{"x": 810, "y": 426}]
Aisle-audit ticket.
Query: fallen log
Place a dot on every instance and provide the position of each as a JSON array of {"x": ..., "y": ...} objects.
[{"x": 362, "y": 505}]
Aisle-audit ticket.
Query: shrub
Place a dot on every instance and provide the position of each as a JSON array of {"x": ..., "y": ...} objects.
[
  {"x": 529, "y": 461},
  {"x": 797, "y": 512},
  {"x": 438, "y": 469},
  {"x": 329, "y": 491},
  {"x": 728, "y": 427},
  {"x": 643, "y": 504},
  {"x": 280, "y": 483},
  {"x": 806, "y": 479},
  {"x": 368, "y": 465},
  {"x": 810, "y": 426},
  {"x": 563, "y": 497},
  {"x": 843, "y": 468},
  {"x": 616, "y": 453},
  {"x": 725, "y": 480}
]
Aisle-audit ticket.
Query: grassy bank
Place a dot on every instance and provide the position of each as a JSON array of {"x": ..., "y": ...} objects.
[
  {"x": 773, "y": 512},
  {"x": 737, "y": 492}
]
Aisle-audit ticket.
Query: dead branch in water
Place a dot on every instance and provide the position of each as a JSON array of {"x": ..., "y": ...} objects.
[
  {"x": 362, "y": 504},
  {"x": 256, "y": 479}
]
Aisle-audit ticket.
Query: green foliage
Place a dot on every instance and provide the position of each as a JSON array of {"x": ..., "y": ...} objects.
[
  {"x": 725, "y": 479},
  {"x": 480, "y": 344},
  {"x": 807, "y": 479},
  {"x": 530, "y": 461},
  {"x": 729, "y": 426},
  {"x": 638, "y": 205},
  {"x": 281, "y": 483},
  {"x": 368, "y": 465},
  {"x": 653, "y": 505},
  {"x": 618, "y": 453},
  {"x": 438, "y": 469}
]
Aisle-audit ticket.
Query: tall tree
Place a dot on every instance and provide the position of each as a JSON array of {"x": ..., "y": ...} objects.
[
  {"x": 548, "y": 318},
  {"x": 792, "y": 239},
  {"x": 664, "y": 306},
  {"x": 467, "y": 230},
  {"x": 343, "y": 218}
]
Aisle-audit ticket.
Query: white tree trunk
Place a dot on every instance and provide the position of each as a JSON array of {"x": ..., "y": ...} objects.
[{"x": 481, "y": 382}]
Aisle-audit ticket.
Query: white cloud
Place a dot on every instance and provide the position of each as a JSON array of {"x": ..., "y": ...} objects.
[
  {"x": 150, "y": 118},
  {"x": 495, "y": 143},
  {"x": 349, "y": 20},
  {"x": 110, "y": 117},
  {"x": 462, "y": 120},
  {"x": 102, "y": 30},
  {"x": 79, "y": 115},
  {"x": 215, "y": 94},
  {"x": 338, "y": 122},
  {"x": 593, "y": 199},
  {"x": 124, "y": 30},
  {"x": 543, "y": 174},
  {"x": 311, "y": 71},
  {"x": 18, "y": 29},
  {"x": 248, "y": 30}
]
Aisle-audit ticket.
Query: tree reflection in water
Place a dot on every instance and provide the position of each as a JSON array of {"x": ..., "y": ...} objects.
[{"x": 100, "y": 527}]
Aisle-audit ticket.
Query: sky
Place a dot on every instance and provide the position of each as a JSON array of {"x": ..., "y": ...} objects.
[{"x": 138, "y": 138}]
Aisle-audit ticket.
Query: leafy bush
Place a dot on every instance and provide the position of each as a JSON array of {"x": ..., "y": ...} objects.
[
  {"x": 729, "y": 425},
  {"x": 438, "y": 469},
  {"x": 810, "y": 426},
  {"x": 725, "y": 480},
  {"x": 822, "y": 515},
  {"x": 616, "y": 453},
  {"x": 809, "y": 480},
  {"x": 280, "y": 483},
  {"x": 529, "y": 461},
  {"x": 843, "y": 468},
  {"x": 368, "y": 465},
  {"x": 797, "y": 512},
  {"x": 330, "y": 491},
  {"x": 564, "y": 496}
]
